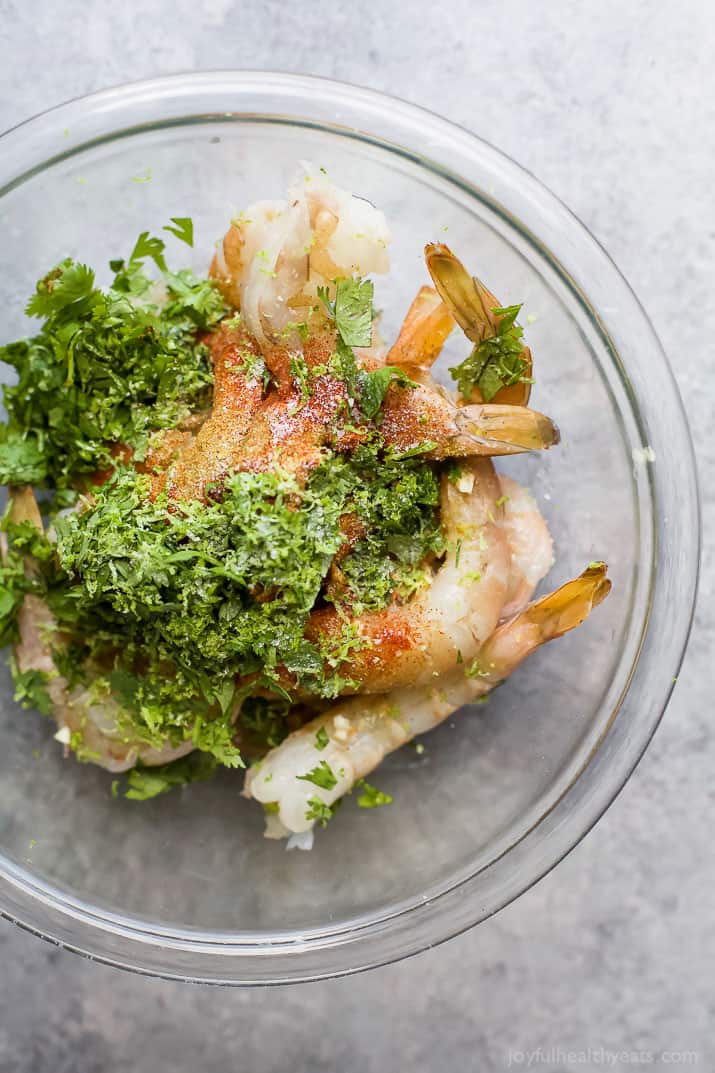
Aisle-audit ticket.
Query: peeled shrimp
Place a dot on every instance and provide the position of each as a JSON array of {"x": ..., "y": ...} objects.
[
  {"x": 530, "y": 544},
  {"x": 270, "y": 266},
  {"x": 75, "y": 711},
  {"x": 362, "y": 731},
  {"x": 212, "y": 454},
  {"x": 453, "y": 615},
  {"x": 276, "y": 255},
  {"x": 247, "y": 431}
]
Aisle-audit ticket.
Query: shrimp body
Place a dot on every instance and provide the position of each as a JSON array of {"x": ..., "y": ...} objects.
[
  {"x": 360, "y": 732},
  {"x": 530, "y": 544},
  {"x": 453, "y": 615},
  {"x": 276, "y": 255},
  {"x": 209, "y": 457},
  {"x": 75, "y": 711}
]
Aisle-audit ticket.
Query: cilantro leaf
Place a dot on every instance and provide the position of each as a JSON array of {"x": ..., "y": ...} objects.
[
  {"x": 216, "y": 737},
  {"x": 22, "y": 461},
  {"x": 147, "y": 246},
  {"x": 370, "y": 797},
  {"x": 321, "y": 775},
  {"x": 300, "y": 372},
  {"x": 321, "y": 739},
  {"x": 69, "y": 284},
  {"x": 147, "y": 782},
  {"x": 353, "y": 311},
  {"x": 31, "y": 689},
  {"x": 318, "y": 810},
  {"x": 374, "y": 386},
  {"x": 183, "y": 229}
]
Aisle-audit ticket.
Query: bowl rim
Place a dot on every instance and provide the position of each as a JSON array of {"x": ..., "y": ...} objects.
[{"x": 333, "y": 105}]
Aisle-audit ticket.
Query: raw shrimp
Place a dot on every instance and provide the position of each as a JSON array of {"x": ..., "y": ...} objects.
[
  {"x": 75, "y": 711},
  {"x": 276, "y": 255},
  {"x": 473, "y": 306},
  {"x": 270, "y": 266},
  {"x": 530, "y": 544},
  {"x": 422, "y": 335},
  {"x": 290, "y": 428},
  {"x": 238, "y": 393},
  {"x": 362, "y": 731},
  {"x": 453, "y": 615}
]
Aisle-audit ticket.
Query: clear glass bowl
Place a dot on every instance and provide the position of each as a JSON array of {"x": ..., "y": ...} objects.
[{"x": 185, "y": 886}]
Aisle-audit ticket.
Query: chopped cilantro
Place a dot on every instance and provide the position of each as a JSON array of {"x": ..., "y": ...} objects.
[
  {"x": 474, "y": 670},
  {"x": 83, "y": 753},
  {"x": 321, "y": 775},
  {"x": 216, "y": 737},
  {"x": 31, "y": 689},
  {"x": 265, "y": 720},
  {"x": 254, "y": 367},
  {"x": 318, "y": 810},
  {"x": 352, "y": 312},
  {"x": 148, "y": 246},
  {"x": 183, "y": 229},
  {"x": 146, "y": 782},
  {"x": 301, "y": 375},
  {"x": 107, "y": 367},
  {"x": 373, "y": 387},
  {"x": 496, "y": 362},
  {"x": 178, "y": 613},
  {"x": 370, "y": 797},
  {"x": 321, "y": 739},
  {"x": 454, "y": 470}
]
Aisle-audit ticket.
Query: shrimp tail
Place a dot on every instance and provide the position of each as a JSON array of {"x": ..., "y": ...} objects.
[
  {"x": 496, "y": 429},
  {"x": 567, "y": 607},
  {"x": 468, "y": 300},
  {"x": 550, "y": 617},
  {"x": 424, "y": 330}
]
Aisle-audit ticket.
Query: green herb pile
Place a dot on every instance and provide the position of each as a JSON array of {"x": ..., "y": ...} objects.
[
  {"x": 107, "y": 368},
  {"x": 497, "y": 362},
  {"x": 182, "y": 615}
]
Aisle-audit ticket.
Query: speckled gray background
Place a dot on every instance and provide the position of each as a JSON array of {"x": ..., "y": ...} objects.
[{"x": 612, "y": 104}]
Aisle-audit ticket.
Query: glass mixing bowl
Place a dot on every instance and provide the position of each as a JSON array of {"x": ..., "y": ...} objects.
[{"x": 185, "y": 885}]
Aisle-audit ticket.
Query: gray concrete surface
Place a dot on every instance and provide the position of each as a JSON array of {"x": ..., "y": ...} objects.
[{"x": 612, "y": 104}]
